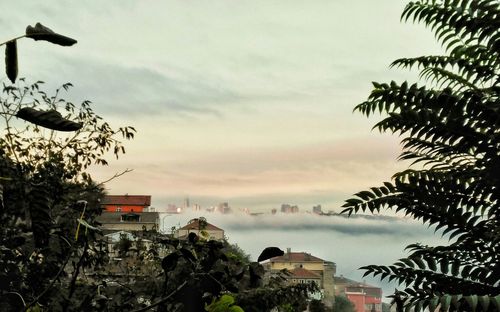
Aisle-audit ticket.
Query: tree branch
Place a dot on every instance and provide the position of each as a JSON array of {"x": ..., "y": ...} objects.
[
  {"x": 50, "y": 285},
  {"x": 163, "y": 299},
  {"x": 116, "y": 175}
]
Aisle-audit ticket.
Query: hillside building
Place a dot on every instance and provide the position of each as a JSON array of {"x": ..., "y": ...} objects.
[
  {"x": 121, "y": 221},
  {"x": 365, "y": 297},
  {"x": 200, "y": 228},
  {"x": 126, "y": 203},
  {"x": 305, "y": 267}
]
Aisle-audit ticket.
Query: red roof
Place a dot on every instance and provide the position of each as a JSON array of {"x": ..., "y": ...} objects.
[
  {"x": 124, "y": 200},
  {"x": 194, "y": 224},
  {"x": 297, "y": 257},
  {"x": 303, "y": 273}
]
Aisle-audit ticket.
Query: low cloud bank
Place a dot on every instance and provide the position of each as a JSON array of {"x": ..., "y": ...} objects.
[
  {"x": 356, "y": 225},
  {"x": 349, "y": 242}
]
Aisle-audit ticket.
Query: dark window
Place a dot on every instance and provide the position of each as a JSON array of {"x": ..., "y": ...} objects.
[{"x": 131, "y": 217}]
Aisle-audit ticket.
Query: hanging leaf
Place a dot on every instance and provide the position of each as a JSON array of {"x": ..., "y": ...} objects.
[
  {"x": 1, "y": 197},
  {"x": 51, "y": 119},
  {"x": 40, "y": 32},
  {"x": 270, "y": 252},
  {"x": 39, "y": 210},
  {"x": 11, "y": 68}
]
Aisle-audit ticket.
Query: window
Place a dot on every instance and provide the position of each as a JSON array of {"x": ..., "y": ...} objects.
[{"x": 130, "y": 217}]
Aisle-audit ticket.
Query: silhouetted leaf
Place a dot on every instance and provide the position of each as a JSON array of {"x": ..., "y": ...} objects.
[
  {"x": 11, "y": 67},
  {"x": 270, "y": 252},
  {"x": 51, "y": 119},
  {"x": 40, "y": 32},
  {"x": 39, "y": 210},
  {"x": 192, "y": 238},
  {"x": 1, "y": 197},
  {"x": 169, "y": 262}
]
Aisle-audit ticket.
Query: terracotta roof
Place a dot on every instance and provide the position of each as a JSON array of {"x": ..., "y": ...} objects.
[
  {"x": 116, "y": 217},
  {"x": 296, "y": 257},
  {"x": 366, "y": 289},
  {"x": 303, "y": 273},
  {"x": 124, "y": 200},
  {"x": 194, "y": 224},
  {"x": 344, "y": 280}
]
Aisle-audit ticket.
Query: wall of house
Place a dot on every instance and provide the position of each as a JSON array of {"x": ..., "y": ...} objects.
[
  {"x": 303, "y": 280},
  {"x": 364, "y": 303},
  {"x": 128, "y": 226},
  {"x": 328, "y": 284},
  {"x": 128, "y": 208},
  {"x": 358, "y": 299},
  {"x": 311, "y": 266},
  {"x": 216, "y": 235}
]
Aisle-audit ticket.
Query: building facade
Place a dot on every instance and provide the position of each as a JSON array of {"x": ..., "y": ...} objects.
[
  {"x": 305, "y": 263},
  {"x": 287, "y": 208},
  {"x": 202, "y": 229},
  {"x": 365, "y": 297},
  {"x": 122, "y": 221},
  {"x": 126, "y": 203}
]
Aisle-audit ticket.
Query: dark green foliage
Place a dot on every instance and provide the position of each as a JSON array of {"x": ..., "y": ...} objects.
[
  {"x": 40, "y": 32},
  {"x": 284, "y": 298},
  {"x": 342, "y": 304},
  {"x": 451, "y": 130},
  {"x": 211, "y": 272},
  {"x": 234, "y": 251},
  {"x": 318, "y": 306},
  {"x": 46, "y": 198},
  {"x": 123, "y": 245}
]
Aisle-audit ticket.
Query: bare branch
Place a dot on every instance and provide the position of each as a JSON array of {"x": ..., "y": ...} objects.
[
  {"x": 118, "y": 174},
  {"x": 163, "y": 299}
]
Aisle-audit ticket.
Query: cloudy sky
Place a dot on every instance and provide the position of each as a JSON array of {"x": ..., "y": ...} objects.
[{"x": 248, "y": 102}]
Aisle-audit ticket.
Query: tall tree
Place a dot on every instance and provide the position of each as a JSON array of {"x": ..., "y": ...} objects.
[
  {"x": 48, "y": 204},
  {"x": 450, "y": 129}
]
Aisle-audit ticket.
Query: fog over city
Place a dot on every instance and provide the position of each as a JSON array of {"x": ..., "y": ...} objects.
[{"x": 349, "y": 242}]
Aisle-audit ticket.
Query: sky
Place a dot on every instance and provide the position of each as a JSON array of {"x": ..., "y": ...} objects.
[{"x": 246, "y": 102}]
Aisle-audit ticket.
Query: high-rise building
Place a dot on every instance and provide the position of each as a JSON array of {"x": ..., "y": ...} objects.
[
  {"x": 223, "y": 208},
  {"x": 287, "y": 208},
  {"x": 317, "y": 209}
]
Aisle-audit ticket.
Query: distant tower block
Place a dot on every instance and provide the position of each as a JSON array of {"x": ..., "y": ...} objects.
[{"x": 186, "y": 203}]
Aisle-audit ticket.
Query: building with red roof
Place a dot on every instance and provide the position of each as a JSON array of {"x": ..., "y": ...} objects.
[
  {"x": 302, "y": 276},
  {"x": 126, "y": 203},
  {"x": 365, "y": 297},
  {"x": 202, "y": 228},
  {"x": 305, "y": 265}
]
